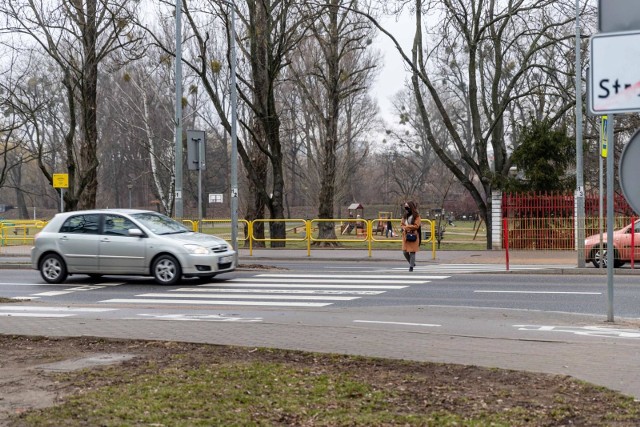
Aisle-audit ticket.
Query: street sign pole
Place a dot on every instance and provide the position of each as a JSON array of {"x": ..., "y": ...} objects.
[
  {"x": 610, "y": 225},
  {"x": 579, "y": 194}
]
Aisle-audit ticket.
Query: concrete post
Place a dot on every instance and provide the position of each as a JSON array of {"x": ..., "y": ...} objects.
[{"x": 496, "y": 219}]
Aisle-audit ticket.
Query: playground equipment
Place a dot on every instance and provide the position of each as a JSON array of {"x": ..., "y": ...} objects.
[
  {"x": 381, "y": 225},
  {"x": 356, "y": 210}
]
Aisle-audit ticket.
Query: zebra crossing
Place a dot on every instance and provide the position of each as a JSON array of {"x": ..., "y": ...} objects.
[{"x": 282, "y": 290}]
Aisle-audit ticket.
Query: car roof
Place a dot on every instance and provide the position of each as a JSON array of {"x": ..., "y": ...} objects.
[{"x": 103, "y": 211}]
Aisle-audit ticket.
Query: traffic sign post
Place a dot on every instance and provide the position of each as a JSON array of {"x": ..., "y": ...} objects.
[
  {"x": 61, "y": 181},
  {"x": 613, "y": 84}
]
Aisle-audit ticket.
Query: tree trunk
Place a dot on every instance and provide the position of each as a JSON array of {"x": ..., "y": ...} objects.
[
  {"x": 328, "y": 173},
  {"x": 89, "y": 154}
]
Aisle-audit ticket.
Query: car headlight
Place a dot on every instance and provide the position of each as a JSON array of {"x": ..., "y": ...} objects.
[{"x": 197, "y": 249}]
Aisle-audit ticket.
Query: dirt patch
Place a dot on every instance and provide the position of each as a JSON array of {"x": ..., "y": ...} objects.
[{"x": 536, "y": 399}]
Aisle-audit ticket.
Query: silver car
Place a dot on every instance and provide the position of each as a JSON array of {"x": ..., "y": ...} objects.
[{"x": 130, "y": 242}]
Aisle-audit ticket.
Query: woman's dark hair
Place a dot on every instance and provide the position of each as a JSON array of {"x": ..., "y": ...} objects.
[{"x": 414, "y": 209}]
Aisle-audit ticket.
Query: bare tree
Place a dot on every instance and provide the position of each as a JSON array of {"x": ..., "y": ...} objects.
[
  {"x": 497, "y": 45},
  {"x": 140, "y": 102},
  {"x": 78, "y": 37},
  {"x": 333, "y": 68}
]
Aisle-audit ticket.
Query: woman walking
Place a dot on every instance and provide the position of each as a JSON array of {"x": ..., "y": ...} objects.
[{"x": 410, "y": 239}]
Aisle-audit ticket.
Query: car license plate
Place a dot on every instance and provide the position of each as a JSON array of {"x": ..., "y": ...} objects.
[{"x": 225, "y": 260}]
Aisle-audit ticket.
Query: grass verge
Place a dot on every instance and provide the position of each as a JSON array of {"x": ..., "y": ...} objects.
[{"x": 178, "y": 384}]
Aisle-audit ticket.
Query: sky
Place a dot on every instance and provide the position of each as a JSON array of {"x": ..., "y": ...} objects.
[{"x": 393, "y": 74}]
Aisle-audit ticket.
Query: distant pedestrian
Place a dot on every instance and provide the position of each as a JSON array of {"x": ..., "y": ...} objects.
[
  {"x": 389, "y": 229},
  {"x": 410, "y": 239}
]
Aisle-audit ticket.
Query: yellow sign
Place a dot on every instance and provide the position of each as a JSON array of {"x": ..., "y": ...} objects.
[
  {"x": 60, "y": 180},
  {"x": 604, "y": 141}
]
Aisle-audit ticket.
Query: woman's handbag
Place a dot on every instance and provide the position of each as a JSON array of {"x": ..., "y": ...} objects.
[{"x": 411, "y": 237}]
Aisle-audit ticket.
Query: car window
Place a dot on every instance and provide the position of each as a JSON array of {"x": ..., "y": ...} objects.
[
  {"x": 116, "y": 225},
  {"x": 160, "y": 224},
  {"x": 81, "y": 224}
]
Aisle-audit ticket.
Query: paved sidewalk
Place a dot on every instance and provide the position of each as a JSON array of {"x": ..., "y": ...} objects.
[{"x": 558, "y": 262}]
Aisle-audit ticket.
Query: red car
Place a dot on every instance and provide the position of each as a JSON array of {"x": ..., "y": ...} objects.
[{"x": 621, "y": 246}]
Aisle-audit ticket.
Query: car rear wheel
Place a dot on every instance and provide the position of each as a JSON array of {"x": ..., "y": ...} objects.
[
  {"x": 166, "y": 270},
  {"x": 598, "y": 256},
  {"x": 53, "y": 269}
]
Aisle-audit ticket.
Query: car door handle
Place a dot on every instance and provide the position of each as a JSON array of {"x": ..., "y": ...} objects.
[{"x": 105, "y": 240}]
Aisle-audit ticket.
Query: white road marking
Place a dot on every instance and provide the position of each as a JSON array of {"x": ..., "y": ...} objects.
[
  {"x": 537, "y": 292},
  {"x": 279, "y": 297},
  {"x": 84, "y": 288},
  {"x": 281, "y": 291},
  {"x": 34, "y": 315},
  {"x": 595, "y": 331},
  {"x": 53, "y": 293},
  {"x": 220, "y": 302},
  {"x": 397, "y": 323},
  {"x": 477, "y": 268},
  {"x": 26, "y": 308},
  {"x": 33, "y": 284},
  {"x": 289, "y": 285},
  {"x": 354, "y": 276},
  {"x": 30, "y": 311},
  {"x": 303, "y": 280},
  {"x": 202, "y": 318}
]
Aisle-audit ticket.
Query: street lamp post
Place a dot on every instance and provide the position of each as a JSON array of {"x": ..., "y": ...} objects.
[
  {"x": 130, "y": 186},
  {"x": 179, "y": 211},
  {"x": 234, "y": 135}
]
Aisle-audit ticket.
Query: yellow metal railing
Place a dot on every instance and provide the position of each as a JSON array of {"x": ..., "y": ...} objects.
[
  {"x": 302, "y": 232},
  {"x": 19, "y": 232}
]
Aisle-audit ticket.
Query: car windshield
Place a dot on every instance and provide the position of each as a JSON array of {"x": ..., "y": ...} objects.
[{"x": 160, "y": 224}]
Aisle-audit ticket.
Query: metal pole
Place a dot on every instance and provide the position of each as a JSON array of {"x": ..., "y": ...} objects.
[
  {"x": 601, "y": 208},
  {"x": 234, "y": 135},
  {"x": 179, "y": 212},
  {"x": 200, "y": 164},
  {"x": 579, "y": 173},
  {"x": 610, "y": 252}
]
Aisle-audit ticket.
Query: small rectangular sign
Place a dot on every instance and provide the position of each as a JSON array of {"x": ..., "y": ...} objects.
[
  {"x": 604, "y": 141},
  {"x": 60, "y": 180},
  {"x": 618, "y": 15},
  {"x": 196, "y": 150},
  {"x": 216, "y": 198}
]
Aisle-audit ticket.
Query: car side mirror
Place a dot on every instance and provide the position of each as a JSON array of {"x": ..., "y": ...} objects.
[{"x": 136, "y": 232}]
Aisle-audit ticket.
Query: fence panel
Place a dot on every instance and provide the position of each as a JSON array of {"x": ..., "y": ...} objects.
[{"x": 546, "y": 220}]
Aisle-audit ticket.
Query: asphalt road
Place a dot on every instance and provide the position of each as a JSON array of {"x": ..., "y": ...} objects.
[{"x": 304, "y": 286}]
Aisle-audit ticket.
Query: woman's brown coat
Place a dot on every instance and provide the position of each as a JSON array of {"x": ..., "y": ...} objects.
[{"x": 410, "y": 246}]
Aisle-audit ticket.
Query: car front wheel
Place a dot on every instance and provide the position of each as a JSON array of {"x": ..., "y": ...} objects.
[
  {"x": 53, "y": 269},
  {"x": 166, "y": 270}
]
